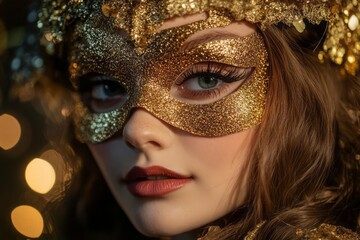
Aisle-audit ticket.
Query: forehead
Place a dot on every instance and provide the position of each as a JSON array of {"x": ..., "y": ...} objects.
[
  {"x": 143, "y": 29},
  {"x": 99, "y": 45},
  {"x": 100, "y": 40},
  {"x": 98, "y": 31}
]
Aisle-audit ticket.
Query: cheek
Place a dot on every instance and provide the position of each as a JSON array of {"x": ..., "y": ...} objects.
[
  {"x": 231, "y": 150},
  {"x": 113, "y": 157},
  {"x": 219, "y": 164}
]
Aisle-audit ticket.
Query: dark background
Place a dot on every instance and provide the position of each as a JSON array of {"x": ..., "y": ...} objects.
[{"x": 19, "y": 40}]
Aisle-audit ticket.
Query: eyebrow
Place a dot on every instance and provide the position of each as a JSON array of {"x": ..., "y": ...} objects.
[{"x": 208, "y": 37}]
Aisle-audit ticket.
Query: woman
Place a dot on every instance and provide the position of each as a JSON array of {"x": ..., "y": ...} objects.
[{"x": 211, "y": 119}]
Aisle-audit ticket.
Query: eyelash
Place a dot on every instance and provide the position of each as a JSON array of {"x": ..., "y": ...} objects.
[
  {"x": 224, "y": 76},
  {"x": 222, "y": 72},
  {"x": 215, "y": 69},
  {"x": 90, "y": 82}
]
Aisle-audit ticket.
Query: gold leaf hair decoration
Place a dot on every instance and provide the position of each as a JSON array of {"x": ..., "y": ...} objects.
[{"x": 141, "y": 17}]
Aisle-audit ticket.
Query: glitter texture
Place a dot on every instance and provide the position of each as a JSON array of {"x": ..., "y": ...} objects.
[
  {"x": 141, "y": 18},
  {"x": 328, "y": 232},
  {"x": 252, "y": 234},
  {"x": 324, "y": 231},
  {"x": 102, "y": 47},
  {"x": 342, "y": 44}
]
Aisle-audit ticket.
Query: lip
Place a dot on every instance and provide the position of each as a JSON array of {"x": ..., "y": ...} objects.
[{"x": 154, "y": 181}]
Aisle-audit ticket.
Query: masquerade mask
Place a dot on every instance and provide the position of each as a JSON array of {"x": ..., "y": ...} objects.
[
  {"x": 211, "y": 89},
  {"x": 141, "y": 19}
]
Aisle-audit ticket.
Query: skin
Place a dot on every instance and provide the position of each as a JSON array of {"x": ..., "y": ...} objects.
[{"x": 215, "y": 165}]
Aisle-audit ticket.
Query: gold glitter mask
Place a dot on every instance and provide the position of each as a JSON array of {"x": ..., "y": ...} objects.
[{"x": 150, "y": 76}]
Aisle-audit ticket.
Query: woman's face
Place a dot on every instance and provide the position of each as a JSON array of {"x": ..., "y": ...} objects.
[{"x": 167, "y": 180}]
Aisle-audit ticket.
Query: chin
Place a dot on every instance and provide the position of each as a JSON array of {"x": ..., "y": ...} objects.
[
  {"x": 157, "y": 233},
  {"x": 164, "y": 226}
]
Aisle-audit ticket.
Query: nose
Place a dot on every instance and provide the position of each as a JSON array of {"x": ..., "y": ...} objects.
[{"x": 144, "y": 131}]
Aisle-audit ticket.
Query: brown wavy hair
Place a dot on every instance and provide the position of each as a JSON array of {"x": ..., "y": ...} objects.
[{"x": 303, "y": 168}]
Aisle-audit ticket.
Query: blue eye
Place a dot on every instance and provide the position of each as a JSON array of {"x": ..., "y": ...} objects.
[
  {"x": 203, "y": 82},
  {"x": 208, "y": 82},
  {"x": 102, "y": 94},
  {"x": 105, "y": 90}
]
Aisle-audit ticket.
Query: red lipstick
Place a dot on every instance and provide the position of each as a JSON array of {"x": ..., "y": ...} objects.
[{"x": 154, "y": 181}]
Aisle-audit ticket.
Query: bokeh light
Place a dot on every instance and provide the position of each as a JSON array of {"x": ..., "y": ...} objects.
[
  {"x": 65, "y": 112},
  {"x": 28, "y": 221},
  {"x": 10, "y": 131},
  {"x": 40, "y": 175}
]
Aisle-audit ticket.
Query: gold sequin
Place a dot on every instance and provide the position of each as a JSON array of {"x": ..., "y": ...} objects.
[
  {"x": 328, "y": 232},
  {"x": 140, "y": 18},
  {"x": 343, "y": 34},
  {"x": 252, "y": 234},
  {"x": 323, "y": 232}
]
